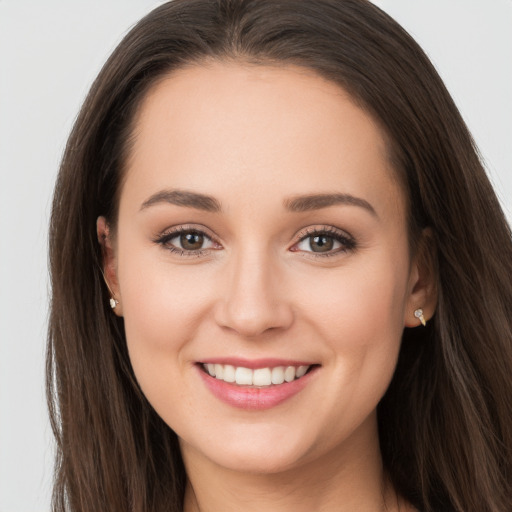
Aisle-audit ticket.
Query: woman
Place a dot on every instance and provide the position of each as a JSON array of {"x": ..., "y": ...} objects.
[{"x": 281, "y": 279}]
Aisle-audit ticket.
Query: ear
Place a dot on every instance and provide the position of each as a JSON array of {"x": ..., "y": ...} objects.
[
  {"x": 422, "y": 280},
  {"x": 109, "y": 263}
]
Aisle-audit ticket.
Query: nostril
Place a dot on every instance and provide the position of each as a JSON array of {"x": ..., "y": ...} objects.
[{"x": 251, "y": 317}]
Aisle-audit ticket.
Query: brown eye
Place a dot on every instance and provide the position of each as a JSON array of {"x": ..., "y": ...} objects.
[
  {"x": 191, "y": 241},
  {"x": 325, "y": 243},
  {"x": 322, "y": 243},
  {"x": 187, "y": 242}
]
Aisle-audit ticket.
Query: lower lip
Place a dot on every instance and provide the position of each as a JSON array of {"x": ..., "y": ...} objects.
[{"x": 254, "y": 398}]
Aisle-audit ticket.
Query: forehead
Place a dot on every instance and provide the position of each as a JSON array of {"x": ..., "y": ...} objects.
[{"x": 211, "y": 124}]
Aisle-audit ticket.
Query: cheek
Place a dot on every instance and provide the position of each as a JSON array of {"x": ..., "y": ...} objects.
[
  {"x": 358, "y": 314},
  {"x": 358, "y": 317},
  {"x": 159, "y": 297},
  {"x": 364, "y": 302},
  {"x": 162, "y": 305}
]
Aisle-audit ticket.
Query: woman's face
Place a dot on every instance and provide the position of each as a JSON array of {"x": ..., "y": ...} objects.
[{"x": 260, "y": 228}]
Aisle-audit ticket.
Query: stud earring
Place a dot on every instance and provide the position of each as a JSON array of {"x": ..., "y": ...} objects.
[
  {"x": 113, "y": 301},
  {"x": 419, "y": 315}
]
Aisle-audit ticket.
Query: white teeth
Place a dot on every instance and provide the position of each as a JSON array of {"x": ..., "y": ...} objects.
[
  {"x": 301, "y": 371},
  {"x": 278, "y": 375},
  {"x": 262, "y": 377},
  {"x": 243, "y": 376},
  {"x": 229, "y": 373},
  {"x": 289, "y": 374},
  {"x": 259, "y": 377},
  {"x": 219, "y": 371}
]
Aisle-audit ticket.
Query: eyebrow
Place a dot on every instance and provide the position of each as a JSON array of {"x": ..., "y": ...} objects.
[
  {"x": 184, "y": 198},
  {"x": 299, "y": 204},
  {"x": 319, "y": 201}
]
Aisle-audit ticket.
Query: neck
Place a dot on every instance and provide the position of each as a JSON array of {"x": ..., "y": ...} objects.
[{"x": 349, "y": 478}]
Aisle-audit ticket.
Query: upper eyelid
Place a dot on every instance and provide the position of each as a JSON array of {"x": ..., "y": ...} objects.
[
  {"x": 184, "y": 228},
  {"x": 330, "y": 230}
]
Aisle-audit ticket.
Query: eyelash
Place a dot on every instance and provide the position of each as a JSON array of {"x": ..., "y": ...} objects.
[
  {"x": 169, "y": 235},
  {"x": 347, "y": 242}
]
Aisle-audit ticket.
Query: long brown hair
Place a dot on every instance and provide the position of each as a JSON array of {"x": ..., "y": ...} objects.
[{"x": 445, "y": 422}]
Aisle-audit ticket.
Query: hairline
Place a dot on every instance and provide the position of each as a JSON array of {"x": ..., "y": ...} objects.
[{"x": 238, "y": 59}]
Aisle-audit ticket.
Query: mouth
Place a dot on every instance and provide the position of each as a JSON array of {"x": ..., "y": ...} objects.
[
  {"x": 259, "y": 377},
  {"x": 256, "y": 385}
]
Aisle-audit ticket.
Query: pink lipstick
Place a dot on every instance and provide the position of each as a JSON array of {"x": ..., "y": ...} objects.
[{"x": 255, "y": 384}]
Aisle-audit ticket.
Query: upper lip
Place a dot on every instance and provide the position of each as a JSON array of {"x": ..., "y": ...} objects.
[{"x": 254, "y": 364}]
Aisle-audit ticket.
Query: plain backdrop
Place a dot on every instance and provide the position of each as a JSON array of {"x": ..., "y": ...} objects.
[{"x": 50, "y": 51}]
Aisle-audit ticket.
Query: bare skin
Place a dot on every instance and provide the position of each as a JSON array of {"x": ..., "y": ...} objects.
[{"x": 218, "y": 255}]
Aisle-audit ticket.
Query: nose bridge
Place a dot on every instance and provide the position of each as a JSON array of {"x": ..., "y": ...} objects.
[{"x": 254, "y": 300}]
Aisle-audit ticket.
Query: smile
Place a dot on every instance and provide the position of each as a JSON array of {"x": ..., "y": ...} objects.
[
  {"x": 260, "y": 377},
  {"x": 266, "y": 385}
]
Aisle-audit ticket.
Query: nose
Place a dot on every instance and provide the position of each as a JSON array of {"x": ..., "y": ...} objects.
[{"x": 254, "y": 295}]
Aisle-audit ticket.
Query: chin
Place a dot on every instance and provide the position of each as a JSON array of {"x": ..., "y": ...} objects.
[
  {"x": 277, "y": 452},
  {"x": 258, "y": 462}
]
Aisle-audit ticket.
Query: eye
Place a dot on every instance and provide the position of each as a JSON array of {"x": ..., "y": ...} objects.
[
  {"x": 190, "y": 241},
  {"x": 318, "y": 243},
  {"x": 187, "y": 241},
  {"x": 324, "y": 242}
]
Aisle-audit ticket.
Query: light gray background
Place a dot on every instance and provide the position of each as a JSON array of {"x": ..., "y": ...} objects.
[{"x": 49, "y": 54}]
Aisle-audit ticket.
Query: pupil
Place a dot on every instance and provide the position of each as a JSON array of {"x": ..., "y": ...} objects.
[
  {"x": 191, "y": 241},
  {"x": 321, "y": 243}
]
